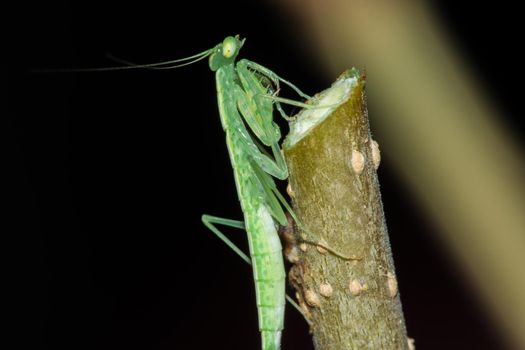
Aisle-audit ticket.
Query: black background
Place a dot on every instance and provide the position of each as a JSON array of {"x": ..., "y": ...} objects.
[{"x": 111, "y": 171}]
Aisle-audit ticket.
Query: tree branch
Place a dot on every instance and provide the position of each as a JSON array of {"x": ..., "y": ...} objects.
[{"x": 332, "y": 159}]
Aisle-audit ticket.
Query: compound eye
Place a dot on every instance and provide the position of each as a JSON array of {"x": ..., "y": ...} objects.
[{"x": 229, "y": 47}]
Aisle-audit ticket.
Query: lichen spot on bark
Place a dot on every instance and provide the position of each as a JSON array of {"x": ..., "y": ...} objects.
[
  {"x": 357, "y": 161},
  {"x": 326, "y": 290},
  {"x": 411, "y": 343},
  {"x": 321, "y": 245},
  {"x": 311, "y": 298},
  {"x": 391, "y": 284},
  {"x": 303, "y": 247},
  {"x": 292, "y": 255},
  {"x": 376, "y": 154},
  {"x": 290, "y": 191},
  {"x": 357, "y": 287}
]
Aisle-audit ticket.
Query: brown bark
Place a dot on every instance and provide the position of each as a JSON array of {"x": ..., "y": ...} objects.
[{"x": 352, "y": 304}]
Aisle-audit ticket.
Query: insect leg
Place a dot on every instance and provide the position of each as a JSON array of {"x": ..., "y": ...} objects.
[
  {"x": 258, "y": 115},
  {"x": 274, "y": 77},
  {"x": 210, "y": 222},
  {"x": 296, "y": 103},
  {"x": 305, "y": 230},
  {"x": 268, "y": 84},
  {"x": 275, "y": 167},
  {"x": 290, "y": 102},
  {"x": 265, "y": 84}
]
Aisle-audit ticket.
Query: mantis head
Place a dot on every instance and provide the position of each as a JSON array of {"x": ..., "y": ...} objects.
[{"x": 225, "y": 52}]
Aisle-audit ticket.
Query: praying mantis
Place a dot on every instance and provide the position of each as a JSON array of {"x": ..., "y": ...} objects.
[{"x": 242, "y": 100}]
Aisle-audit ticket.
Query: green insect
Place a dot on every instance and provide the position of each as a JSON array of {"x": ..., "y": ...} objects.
[{"x": 243, "y": 101}]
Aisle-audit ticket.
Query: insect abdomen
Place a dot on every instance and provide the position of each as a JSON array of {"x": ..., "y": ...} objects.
[{"x": 269, "y": 276}]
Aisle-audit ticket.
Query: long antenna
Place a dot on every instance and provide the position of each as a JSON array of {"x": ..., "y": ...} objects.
[{"x": 128, "y": 65}]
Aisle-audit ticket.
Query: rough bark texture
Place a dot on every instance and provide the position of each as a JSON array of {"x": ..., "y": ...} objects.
[{"x": 352, "y": 304}]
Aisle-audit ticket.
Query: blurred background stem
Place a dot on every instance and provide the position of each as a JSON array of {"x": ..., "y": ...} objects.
[{"x": 440, "y": 133}]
